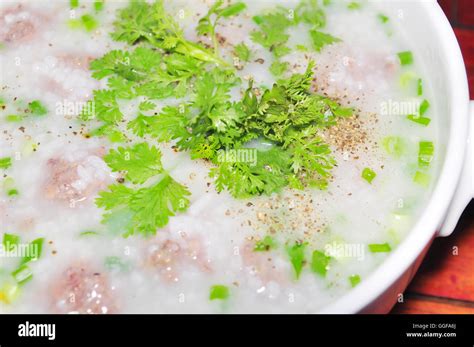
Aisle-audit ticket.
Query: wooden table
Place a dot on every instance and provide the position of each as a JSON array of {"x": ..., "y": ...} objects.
[{"x": 445, "y": 281}]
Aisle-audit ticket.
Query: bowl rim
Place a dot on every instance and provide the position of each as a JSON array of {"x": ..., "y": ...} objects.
[{"x": 399, "y": 261}]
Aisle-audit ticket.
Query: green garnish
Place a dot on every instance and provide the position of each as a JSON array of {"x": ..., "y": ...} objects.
[
  {"x": 89, "y": 22},
  {"x": 272, "y": 31},
  {"x": 74, "y": 3},
  {"x": 297, "y": 257},
  {"x": 5, "y": 162},
  {"x": 146, "y": 209},
  {"x": 37, "y": 108},
  {"x": 394, "y": 145},
  {"x": 354, "y": 280},
  {"x": 36, "y": 249},
  {"x": 208, "y": 122},
  {"x": 379, "y": 247},
  {"x": 207, "y": 25},
  {"x": 89, "y": 233},
  {"x": 10, "y": 241},
  {"x": 242, "y": 52},
  {"x": 406, "y": 58},
  {"x": 321, "y": 39},
  {"x": 383, "y": 18},
  {"x": 425, "y": 121},
  {"x": 9, "y": 292},
  {"x": 14, "y": 118},
  {"x": 219, "y": 292},
  {"x": 22, "y": 274},
  {"x": 320, "y": 263},
  {"x": 425, "y": 105},
  {"x": 143, "y": 22},
  {"x": 98, "y": 5},
  {"x": 311, "y": 13},
  {"x": 140, "y": 162},
  {"x": 420, "y": 87},
  {"x": 354, "y": 6},
  {"x": 419, "y": 118},
  {"x": 278, "y": 68},
  {"x": 368, "y": 174},
  {"x": 422, "y": 179},
  {"x": 265, "y": 245},
  {"x": 86, "y": 22},
  {"x": 425, "y": 153},
  {"x": 13, "y": 192}
]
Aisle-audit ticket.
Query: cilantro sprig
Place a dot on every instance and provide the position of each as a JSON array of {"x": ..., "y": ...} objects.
[
  {"x": 207, "y": 119},
  {"x": 207, "y": 24},
  {"x": 147, "y": 208}
]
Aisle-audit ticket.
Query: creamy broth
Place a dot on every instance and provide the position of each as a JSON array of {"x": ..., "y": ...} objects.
[{"x": 288, "y": 251}]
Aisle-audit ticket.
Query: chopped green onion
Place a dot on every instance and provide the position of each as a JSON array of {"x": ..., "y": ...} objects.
[
  {"x": 320, "y": 263},
  {"x": 37, "y": 108},
  {"x": 368, "y": 174},
  {"x": 22, "y": 275},
  {"x": 406, "y": 58},
  {"x": 264, "y": 245},
  {"x": 14, "y": 118},
  {"x": 420, "y": 87},
  {"x": 425, "y": 105},
  {"x": 297, "y": 257},
  {"x": 425, "y": 153},
  {"x": 354, "y": 6},
  {"x": 354, "y": 280},
  {"x": 74, "y": 3},
  {"x": 425, "y": 121},
  {"x": 5, "y": 162},
  {"x": 89, "y": 22},
  {"x": 219, "y": 292},
  {"x": 9, "y": 292},
  {"x": 10, "y": 241},
  {"x": 394, "y": 146},
  {"x": 379, "y": 247},
  {"x": 13, "y": 192},
  {"x": 35, "y": 248},
  {"x": 422, "y": 179},
  {"x": 88, "y": 233},
  {"x": 383, "y": 18},
  {"x": 407, "y": 78},
  {"x": 99, "y": 5}
]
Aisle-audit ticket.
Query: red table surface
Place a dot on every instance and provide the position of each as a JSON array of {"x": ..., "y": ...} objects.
[{"x": 445, "y": 281}]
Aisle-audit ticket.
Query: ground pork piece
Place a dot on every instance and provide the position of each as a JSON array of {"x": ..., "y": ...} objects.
[
  {"x": 262, "y": 264},
  {"x": 81, "y": 289},
  {"x": 74, "y": 181},
  {"x": 19, "y": 24},
  {"x": 169, "y": 257}
]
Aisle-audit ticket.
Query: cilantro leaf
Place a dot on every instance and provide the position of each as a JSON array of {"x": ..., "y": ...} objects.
[
  {"x": 147, "y": 209},
  {"x": 140, "y": 161},
  {"x": 243, "y": 52},
  {"x": 207, "y": 25},
  {"x": 296, "y": 253},
  {"x": 321, "y": 39}
]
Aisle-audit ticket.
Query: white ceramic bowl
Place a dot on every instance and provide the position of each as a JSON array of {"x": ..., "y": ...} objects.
[{"x": 444, "y": 67}]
